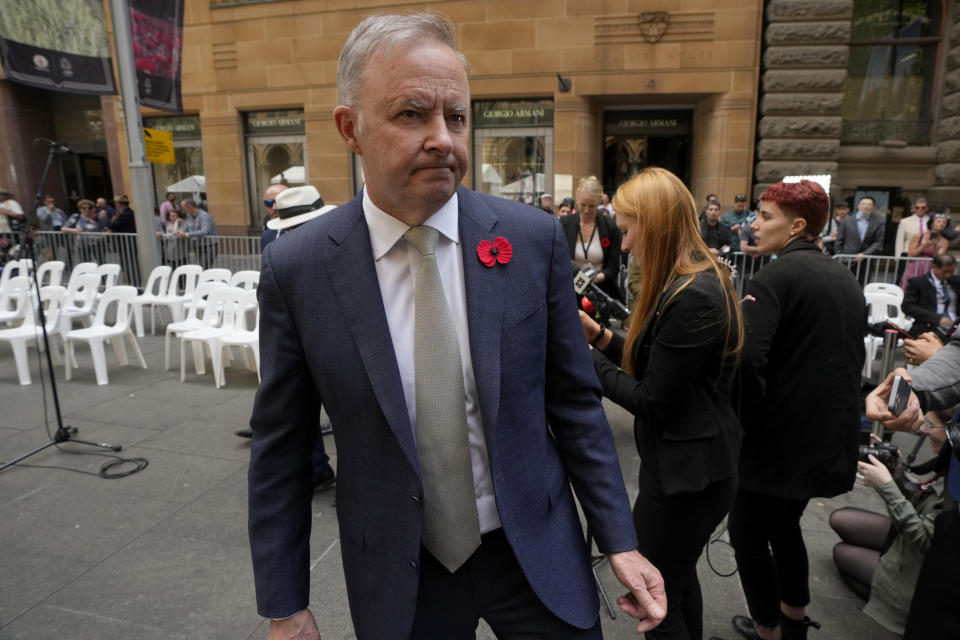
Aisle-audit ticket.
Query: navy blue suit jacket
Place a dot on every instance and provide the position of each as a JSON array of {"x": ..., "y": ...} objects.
[{"x": 324, "y": 338}]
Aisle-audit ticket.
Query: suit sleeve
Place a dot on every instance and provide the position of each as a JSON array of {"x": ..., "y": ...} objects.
[
  {"x": 286, "y": 412},
  {"x": 576, "y": 416},
  {"x": 900, "y": 244},
  {"x": 877, "y": 245},
  {"x": 761, "y": 318},
  {"x": 912, "y": 307},
  {"x": 841, "y": 233},
  {"x": 689, "y": 333}
]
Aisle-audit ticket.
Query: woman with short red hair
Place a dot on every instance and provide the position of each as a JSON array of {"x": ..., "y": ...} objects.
[{"x": 799, "y": 405}]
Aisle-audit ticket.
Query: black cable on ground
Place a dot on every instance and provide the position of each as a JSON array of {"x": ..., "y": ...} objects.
[{"x": 718, "y": 538}]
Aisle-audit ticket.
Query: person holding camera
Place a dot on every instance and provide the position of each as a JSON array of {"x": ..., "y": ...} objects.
[
  {"x": 927, "y": 245},
  {"x": 934, "y": 386},
  {"x": 674, "y": 372},
  {"x": 799, "y": 405},
  {"x": 880, "y": 556}
]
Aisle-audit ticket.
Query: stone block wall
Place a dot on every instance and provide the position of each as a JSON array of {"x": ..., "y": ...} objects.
[
  {"x": 803, "y": 73},
  {"x": 947, "y": 172}
]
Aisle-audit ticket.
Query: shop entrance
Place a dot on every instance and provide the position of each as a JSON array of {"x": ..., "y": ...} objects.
[
  {"x": 85, "y": 175},
  {"x": 634, "y": 140}
]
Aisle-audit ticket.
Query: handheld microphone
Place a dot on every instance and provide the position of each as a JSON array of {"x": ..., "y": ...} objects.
[
  {"x": 59, "y": 148},
  {"x": 584, "y": 286}
]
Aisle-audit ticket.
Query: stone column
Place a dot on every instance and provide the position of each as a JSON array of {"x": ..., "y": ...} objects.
[
  {"x": 577, "y": 137},
  {"x": 804, "y": 69},
  {"x": 947, "y": 172}
]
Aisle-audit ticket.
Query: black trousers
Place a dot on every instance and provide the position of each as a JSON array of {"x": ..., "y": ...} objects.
[
  {"x": 935, "y": 609},
  {"x": 490, "y": 585},
  {"x": 672, "y": 531},
  {"x": 771, "y": 557}
]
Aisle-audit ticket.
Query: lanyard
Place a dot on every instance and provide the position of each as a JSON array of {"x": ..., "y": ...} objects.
[{"x": 586, "y": 245}]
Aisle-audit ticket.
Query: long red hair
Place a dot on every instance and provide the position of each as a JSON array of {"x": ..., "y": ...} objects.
[{"x": 668, "y": 246}]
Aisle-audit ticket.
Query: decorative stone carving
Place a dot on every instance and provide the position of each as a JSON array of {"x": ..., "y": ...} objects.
[
  {"x": 801, "y": 127},
  {"x": 807, "y": 103},
  {"x": 819, "y": 56},
  {"x": 779, "y": 149},
  {"x": 808, "y": 32}
]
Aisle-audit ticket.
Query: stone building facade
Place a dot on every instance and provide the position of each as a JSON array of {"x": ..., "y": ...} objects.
[{"x": 732, "y": 95}]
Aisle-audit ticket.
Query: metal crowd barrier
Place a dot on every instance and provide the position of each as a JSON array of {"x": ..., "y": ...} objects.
[
  {"x": 231, "y": 252},
  {"x": 886, "y": 269}
]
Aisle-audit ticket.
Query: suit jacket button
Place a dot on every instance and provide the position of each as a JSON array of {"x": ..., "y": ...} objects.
[
  {"x": 413, "y": 565},
  {"x": 416, "y": 498}
]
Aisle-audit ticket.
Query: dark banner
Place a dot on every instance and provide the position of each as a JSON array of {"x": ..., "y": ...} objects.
[
  {"x": 56, "y": 44},
  {"x": 157, "y": 27}
]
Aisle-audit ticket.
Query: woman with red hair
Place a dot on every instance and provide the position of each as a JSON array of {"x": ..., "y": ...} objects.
[
  {"x": 799, "y": 405},
  {"x": 674, "y": 372}
]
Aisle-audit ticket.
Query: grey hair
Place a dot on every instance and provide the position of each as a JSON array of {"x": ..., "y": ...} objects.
[
  {"x": 383, "y": 34},
  {"x": 190, "y": 202}
]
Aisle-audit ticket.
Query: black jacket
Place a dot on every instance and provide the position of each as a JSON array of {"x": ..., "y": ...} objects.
[
  {"x": 609, "y": 241},
  {"x": 686, "y": 430},
  {"x": 123, "y": 222},
  {"x": 920, "y": 302},
  {"x": 800, "y": 376},
  {"x": 848, "y": 236}
]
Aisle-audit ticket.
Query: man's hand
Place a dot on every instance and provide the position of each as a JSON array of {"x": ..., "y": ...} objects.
[
  {"x": 646, "y": 600},
  {"x": 300, "y": 626},
  {"x": 181, "y": 234},
  {"x": 921, "y": 349},
  {"x": 910, "y": 420},
  {"x": 875, "y": 473},
  {"x": 858, "y": 258},
  {"x": 945, "y": 322}
]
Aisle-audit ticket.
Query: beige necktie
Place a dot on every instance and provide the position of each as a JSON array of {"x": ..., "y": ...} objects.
[{"x": 451, "y": 529}]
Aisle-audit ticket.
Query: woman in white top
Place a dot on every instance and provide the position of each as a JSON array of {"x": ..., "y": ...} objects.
[{"x": 594, "y": 239}]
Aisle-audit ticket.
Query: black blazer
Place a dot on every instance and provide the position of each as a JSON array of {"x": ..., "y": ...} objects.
[
  {"x": 687, "y": 433},
  {"x": 800, "y": 377},
  {"x": 848, "y": 237},
  {"x": 920, "y": 302},
  {"x": 609, "y": 241}
]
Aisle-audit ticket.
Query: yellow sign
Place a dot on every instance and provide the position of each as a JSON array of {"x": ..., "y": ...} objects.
[{"x": 158, "y": 145}]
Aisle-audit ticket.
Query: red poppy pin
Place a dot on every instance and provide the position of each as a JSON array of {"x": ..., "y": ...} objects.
[
  {"x": 604, "y": 242},
  {"x": 491, "y": 253}
]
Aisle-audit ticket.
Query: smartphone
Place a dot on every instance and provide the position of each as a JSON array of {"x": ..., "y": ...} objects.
[
  {"x": 899, "y": 396},
  {"x": 902, "y": 332}
]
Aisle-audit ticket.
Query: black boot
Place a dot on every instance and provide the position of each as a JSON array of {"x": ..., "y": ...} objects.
[
  {"x": 744, "y": 626},
  {"x": 791, "y": 629}
]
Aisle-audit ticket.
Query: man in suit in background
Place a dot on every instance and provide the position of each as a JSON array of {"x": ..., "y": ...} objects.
[
  {"x": 931, "y": 299},
  {"x": 861, "y": 234},
  {"x": 437, "y": 327}
]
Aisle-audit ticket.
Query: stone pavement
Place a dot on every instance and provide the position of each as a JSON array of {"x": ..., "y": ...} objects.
[{"x": 163, "y": 554}]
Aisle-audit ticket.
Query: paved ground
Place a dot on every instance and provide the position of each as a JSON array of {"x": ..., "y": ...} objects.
[{"x": 163, "y": 553}]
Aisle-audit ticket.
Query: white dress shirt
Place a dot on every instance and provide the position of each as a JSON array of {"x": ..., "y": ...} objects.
[{"x": 397, "y": 262}]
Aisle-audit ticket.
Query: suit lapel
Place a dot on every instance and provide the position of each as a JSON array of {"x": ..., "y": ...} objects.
[
  {"x": 359, "y": 299},
  {"x": 485, "y": 289}
]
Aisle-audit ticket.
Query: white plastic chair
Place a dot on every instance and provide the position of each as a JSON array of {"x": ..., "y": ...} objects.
[
  {"x": 882, "y": 305},
  {"x": 191, "y": 322},
  {"x": 14, "y": 299},
  {"x": 51, "y": 270},
  {"x": 19, "y": 337},
  {"x": 218, "y": 321},
  {"x": 157, "y": 285},
  {"x": 241, "y": 336},
  {"x": 108, "y": 274},
  {"x": 246, "y": 280},
  {"x": 79, "y": 300},
  {"x": 174, "y": 299},
  {"x": 220, "y": 276},
  {"x": 883, "y": 287},
  {"x": 121, "y": 297},
  {"x": 12, "y": 269}
]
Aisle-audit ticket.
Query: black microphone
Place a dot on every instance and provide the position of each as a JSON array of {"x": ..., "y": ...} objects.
[
  {"x": 583, "y": 284},
  {"x": 59, "y": 148}
]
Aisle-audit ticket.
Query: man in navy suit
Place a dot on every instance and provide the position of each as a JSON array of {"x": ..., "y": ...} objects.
[{"x": 340, "y": 327}]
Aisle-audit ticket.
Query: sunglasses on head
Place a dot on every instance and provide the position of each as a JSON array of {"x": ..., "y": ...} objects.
[{"x": 269, "y": 203}]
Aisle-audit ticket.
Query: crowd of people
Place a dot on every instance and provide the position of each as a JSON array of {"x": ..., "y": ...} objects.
[{"x": 462, "y": 420}]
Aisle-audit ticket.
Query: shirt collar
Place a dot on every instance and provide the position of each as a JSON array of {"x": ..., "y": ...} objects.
[
  {"x": 385, "y": 230},
  {"x": 862, "y": 216}
]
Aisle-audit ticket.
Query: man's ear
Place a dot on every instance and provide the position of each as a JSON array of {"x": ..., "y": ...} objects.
[{"x": 347, "y": 120}]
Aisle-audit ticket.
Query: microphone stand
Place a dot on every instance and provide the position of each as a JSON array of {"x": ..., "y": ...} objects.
[{"x": 63, "y": 433}]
